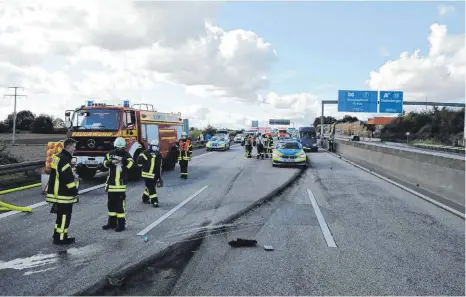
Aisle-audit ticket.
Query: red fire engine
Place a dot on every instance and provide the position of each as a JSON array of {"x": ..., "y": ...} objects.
[{"x": 95, "y": 126}]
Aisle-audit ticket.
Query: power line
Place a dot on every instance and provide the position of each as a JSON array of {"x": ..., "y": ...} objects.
[{"x": 16, "y": 95}]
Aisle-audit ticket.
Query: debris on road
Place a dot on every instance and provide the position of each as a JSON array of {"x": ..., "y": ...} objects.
[
  {"x": 243, "y": 243},
  {"x": 268, "y": 247}
]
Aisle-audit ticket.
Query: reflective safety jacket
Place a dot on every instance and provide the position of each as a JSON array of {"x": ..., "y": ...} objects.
[
  {"x": 62, "y": 185},
  {"x": 185, "y": 149},
  {"x": 151, "y": 163},
  {"x": 117, "y": 177},
  {"x": 270, "y": 142}
]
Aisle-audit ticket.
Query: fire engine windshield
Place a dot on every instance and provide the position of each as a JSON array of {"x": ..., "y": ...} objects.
[{"x": 96, "y": 119}]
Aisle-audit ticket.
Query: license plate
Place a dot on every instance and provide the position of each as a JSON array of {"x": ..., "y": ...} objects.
[
  {"x": 93, "y": 162},
  {"x": 288, "y": 160}
]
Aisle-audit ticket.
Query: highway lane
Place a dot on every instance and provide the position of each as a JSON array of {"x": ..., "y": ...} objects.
[
  {"x": 388, "y": 242},
  {"x": 32, "y": 196},
  {"x": 31, "y": 265}
]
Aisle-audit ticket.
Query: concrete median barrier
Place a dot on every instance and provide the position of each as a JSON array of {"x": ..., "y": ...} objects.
[{"x": 441, "y": 177}]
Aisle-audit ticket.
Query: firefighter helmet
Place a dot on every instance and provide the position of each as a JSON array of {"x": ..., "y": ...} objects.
[
  {"x": 154, "y": 142},
  {"x": 120, "y": 142}
]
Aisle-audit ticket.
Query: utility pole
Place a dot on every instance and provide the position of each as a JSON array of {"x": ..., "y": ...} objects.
[{"x": 14, "y": 112}]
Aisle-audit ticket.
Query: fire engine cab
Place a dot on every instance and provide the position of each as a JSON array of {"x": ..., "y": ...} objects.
[{"x": 95, "y": 126}]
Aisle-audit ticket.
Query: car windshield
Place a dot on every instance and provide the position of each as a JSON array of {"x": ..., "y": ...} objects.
[
  {"x": 288, "y": 145},
  {"x": 96, "y": 119},
  {"x": 307, "y": 134},
  {"x": 216, "y": 139}
]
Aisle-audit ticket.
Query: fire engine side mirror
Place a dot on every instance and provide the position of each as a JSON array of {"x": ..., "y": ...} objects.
[
  {"x": 67, "y": 114},
  {"x": 68, "y": 123}
]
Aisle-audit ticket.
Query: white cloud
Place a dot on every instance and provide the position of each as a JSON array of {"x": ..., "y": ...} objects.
[
  {"x": 443, "y": 9},
  {"x": 121, "y": 49},
  {"x": 439, "y": 75}
]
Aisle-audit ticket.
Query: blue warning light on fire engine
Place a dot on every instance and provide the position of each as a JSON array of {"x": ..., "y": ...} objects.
[
  {"x": 126, "y": 103},
  {"x": 90, "y": 103}
]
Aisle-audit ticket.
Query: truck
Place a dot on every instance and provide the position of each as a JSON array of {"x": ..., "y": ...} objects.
[
  {"x": 308, "y": 138},
  {"x": 95, "y": 126}
]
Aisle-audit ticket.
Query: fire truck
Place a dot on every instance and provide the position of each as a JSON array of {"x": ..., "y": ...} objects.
[{"x": 95, "y": 126}]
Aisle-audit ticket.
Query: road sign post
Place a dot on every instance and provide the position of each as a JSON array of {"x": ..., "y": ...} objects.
[
  {"x": 391, "y": 102},
  {"x": 357, "y": 101}
]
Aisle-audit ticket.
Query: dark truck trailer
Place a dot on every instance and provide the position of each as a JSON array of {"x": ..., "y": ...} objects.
[{"x": 308, "y": 138}]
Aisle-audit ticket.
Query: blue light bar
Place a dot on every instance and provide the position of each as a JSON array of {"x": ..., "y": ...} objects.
[
  {"x": 126, "y": 103},
  {"x": 90, "y": 103}
]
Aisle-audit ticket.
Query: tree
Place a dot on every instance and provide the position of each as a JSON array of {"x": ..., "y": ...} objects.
[
  {"x": 58, "y": 123},
  {"x": 210, "y": 130},
  {"x": 327, "y": 121},
  {"x": 43, "y": 124},
  {"x": 24, "y": 120}
]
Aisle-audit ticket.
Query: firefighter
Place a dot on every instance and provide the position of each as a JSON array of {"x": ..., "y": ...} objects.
[
  {"x": 185, "y": 150},
  {"x": 270, "y": 147},
  {"x": 151, "y": 162},
  {"x": 260, "y": 146},
  {"x": 63, "y": 192},
  {"x": 248, "y": 144},
  {"x": 118, "y": 161},
  {"x": 266, "y": 145}
]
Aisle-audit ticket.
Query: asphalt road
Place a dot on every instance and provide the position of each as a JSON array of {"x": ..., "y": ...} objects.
[
  {"x": 225, "y": 183},
  {"x": 388, "y": 242},
  {"x": 32, "y": 196}
]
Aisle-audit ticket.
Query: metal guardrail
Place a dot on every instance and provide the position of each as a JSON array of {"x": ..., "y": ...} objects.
[
  {"x": 20, "y": 167},
  {"x": 27, "y": 166}
]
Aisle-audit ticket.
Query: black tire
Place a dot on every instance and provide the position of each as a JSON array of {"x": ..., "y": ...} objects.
[{"x": 86, "y": 173}]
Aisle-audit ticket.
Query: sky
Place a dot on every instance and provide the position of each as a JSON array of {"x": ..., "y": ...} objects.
[{"x": 228, "y": 63}]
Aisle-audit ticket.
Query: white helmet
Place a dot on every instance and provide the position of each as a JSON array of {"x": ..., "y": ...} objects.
[
  {"x": 154, "y": 142},
  {"x": 120, "y": 142}
]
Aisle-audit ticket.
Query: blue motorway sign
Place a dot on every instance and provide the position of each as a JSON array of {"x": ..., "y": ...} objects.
[
  {"x": 391, "y": 101},
  {"x": 357, "y": 101},
  {"x": 255, "y": 124}
]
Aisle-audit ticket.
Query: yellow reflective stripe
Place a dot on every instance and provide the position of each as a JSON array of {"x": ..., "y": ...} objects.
[
  {"x": 130, "y": 163},
  {"x": 120, "y": 215},
  {"x": 116, "y": 190},
  {"x": 153, "y": 196},
  {"x": 144, "y": 156},
  {"x": 71, "y": 185},
  {"x": 117, "y": 177},
  {"x": 62, "y": 227},
  {"x": 152, "y": 165},
  {"x": 146, "y": 192},
  {"x": 57, "y": 183},
  {"x": 105, "y": 161},
  {"x": 65, "y": 167},
  {"x": 59, "y": 230},
  {"x": 112, "y": 214}
]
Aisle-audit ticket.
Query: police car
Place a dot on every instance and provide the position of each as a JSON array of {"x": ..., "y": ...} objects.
[{"x": 289, "y": 152}]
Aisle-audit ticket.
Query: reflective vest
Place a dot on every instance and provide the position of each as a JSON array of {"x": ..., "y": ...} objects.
[
  {"x": 117, "y": 177},
  {"x": 151, "y": 163},
  {"x": 62, "y": 185},
  {"x": 185, "y": 149}
]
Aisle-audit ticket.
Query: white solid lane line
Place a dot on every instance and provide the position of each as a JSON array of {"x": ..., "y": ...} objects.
[
  {"x": 323, "y": 225},
  {"x": 162, "y": 218}
]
